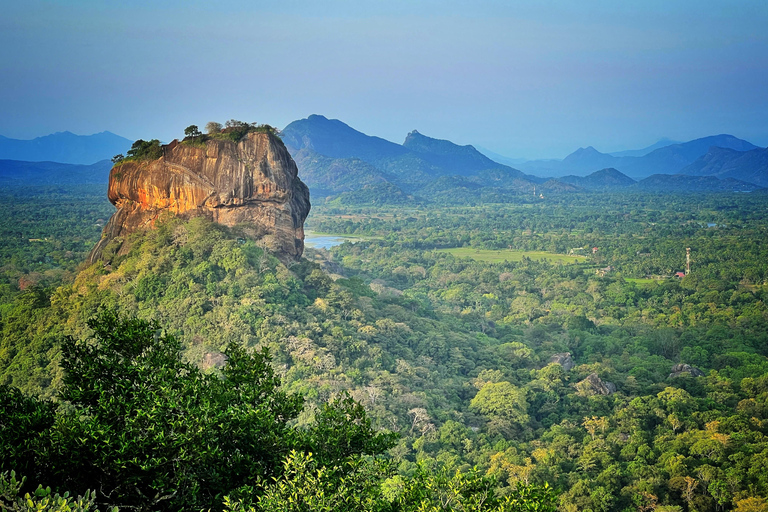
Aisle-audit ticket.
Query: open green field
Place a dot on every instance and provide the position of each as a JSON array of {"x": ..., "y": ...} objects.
[
  {"x": 641, "y": 280},
  {"x": 510, "y": 255}
]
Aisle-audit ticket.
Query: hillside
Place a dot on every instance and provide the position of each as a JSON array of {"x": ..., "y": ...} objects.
[
  {"x": 750, "y": 166},
  {"x": 451, "y": 158},
  {"x": 519, "y": 363},
  {"x": 604, "y": 179}
]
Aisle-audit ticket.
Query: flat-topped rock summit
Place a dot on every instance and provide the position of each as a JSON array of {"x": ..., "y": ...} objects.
[{"x": 251, "y": 182}]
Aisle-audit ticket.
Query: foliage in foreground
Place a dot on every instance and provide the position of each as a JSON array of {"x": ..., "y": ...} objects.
[
  {"x": 42, "y": 499},
  {"x": 152, "y": 432}
]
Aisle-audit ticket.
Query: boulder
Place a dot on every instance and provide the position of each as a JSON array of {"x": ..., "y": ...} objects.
[
  {"x": 594, "y": 385},
  {"x": 682, "y": 368},
  {"x": 563, "y": 359}
]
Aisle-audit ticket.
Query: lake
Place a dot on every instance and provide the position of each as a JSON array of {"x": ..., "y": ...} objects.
[{"x": 317, "y": 241}]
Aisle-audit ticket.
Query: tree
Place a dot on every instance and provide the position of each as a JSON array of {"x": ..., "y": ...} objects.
[
  {"x": 152, "y": 432},
  {"x": 146, "y": 149},
  {"x": 503, "y": 403},
  {"x": 192, "y": 131},
  {"x": 212, "y": 127},
  {"x": 234, "y": 123}
]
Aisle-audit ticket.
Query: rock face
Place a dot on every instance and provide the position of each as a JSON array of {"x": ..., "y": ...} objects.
[
  {"x": 563, "y": 359},
  {"x": 594, "y": 385},
  {"x": 680, "y": 369},
  {"x": 253, "y": 182}
]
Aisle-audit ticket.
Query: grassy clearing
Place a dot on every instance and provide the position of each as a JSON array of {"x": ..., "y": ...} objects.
[
  {"x": 491, "y": 256},
  {"x": 641, "y": 280}
]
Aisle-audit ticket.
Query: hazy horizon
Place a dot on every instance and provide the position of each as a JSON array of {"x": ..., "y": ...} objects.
[{"x": 529, "y": 80}]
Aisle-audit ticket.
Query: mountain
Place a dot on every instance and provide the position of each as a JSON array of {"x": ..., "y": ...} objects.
[
  {"x": 14, "y": 172},
  {"x": 250, "y": 182},
  {"x": 670, "y": 159},
  {"x": 65, "y": 147},
  {"x": 333, "y": 138},
  {"x": 588, "y": 159},
  {"x": 603, "y": 179},
  {"x": 449, "y": 157},
  {"x": 750, "y": 166},
  {"x": 335, "y": 158},
  {"x": 682, "y": 183},
  {"x": 661, "y": 143}
]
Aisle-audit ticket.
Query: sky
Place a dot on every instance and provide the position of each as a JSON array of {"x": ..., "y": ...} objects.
[{"x": 523, "y": 78}]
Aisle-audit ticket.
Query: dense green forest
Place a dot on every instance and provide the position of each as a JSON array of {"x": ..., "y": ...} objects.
[{"x": 494, "y": 375}]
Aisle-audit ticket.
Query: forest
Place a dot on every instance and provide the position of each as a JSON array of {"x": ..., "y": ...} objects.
[{"x": 389, "y": 373}]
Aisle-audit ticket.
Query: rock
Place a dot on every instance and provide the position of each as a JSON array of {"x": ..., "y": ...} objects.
[
  {"x": 380, "y": 287},
  {"x": 563, "y": 359},
  {"x": 213, "y": 360},
  {"x": 680, "y": 369},
  {"x": 594, "y": 385},
  {"x": 252, "y": 182}
]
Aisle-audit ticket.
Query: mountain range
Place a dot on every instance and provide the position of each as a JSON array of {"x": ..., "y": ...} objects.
[
  {"x": 337, "y": 161},
  {"x": 65, "y": 147},
  {"x": 665, "y": 159},
  {"x": 334, "y": 158}
]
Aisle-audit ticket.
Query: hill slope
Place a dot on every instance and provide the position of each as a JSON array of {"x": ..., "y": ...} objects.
[
  {"x": 603, "y": 179},
  {"x": 750, "y": 166}
]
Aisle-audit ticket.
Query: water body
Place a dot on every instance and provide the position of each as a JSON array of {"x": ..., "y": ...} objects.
[{"x": 326, "y": 241}]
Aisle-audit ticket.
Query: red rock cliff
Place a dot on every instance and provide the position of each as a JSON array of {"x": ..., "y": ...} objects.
[{"x": 252, "y": 182}]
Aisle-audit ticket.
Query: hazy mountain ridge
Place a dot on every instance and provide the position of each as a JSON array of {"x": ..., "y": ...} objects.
[
  {"x": 670, "y": 159},
  {"x": 661, "y": 143},
  {"x": 750, "y": 166},
  {"x": 603, "y": 179},
  {"x": 334, "y": 158},
  {"x": 65, "y": 147}
]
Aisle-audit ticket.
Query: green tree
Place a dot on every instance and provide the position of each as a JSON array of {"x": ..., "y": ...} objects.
[
  {"x": 152, "y": 432},
  {"x": 503, "y": 403},
  {"x": 192, "y": 131}
]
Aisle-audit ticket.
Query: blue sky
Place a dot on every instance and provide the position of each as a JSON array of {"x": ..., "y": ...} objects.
[{"x": 522, "y": 78}]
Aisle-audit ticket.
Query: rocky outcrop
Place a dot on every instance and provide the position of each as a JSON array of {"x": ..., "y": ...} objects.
[
  {"x": 680, "y": 369},
  {"x": 253, "y": 182},
  {"x": 564, "y": 359},
  {"x": 594, "y": 385}
]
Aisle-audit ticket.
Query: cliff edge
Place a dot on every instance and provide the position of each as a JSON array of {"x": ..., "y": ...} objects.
[{"x": 252, "y": 182}]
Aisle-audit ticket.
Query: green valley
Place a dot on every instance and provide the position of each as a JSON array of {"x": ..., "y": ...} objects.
[{"x": 527, "y": 369}]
